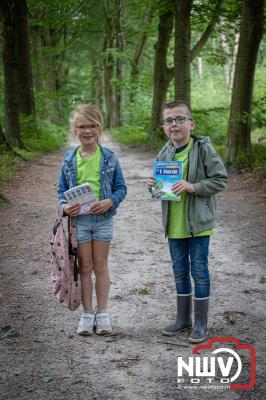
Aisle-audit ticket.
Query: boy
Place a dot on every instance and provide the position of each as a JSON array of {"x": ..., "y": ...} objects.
[{"x": 189, "y": 222}]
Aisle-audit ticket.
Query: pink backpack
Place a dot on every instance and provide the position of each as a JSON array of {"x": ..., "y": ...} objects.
[{"x": 64, "y": 269}]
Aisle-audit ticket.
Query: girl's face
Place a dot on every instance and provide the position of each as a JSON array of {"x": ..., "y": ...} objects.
[{"x": 87, "y": 131}]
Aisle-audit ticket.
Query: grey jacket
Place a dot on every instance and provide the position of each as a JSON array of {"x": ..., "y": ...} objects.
[{"x": 208, "y": 174}]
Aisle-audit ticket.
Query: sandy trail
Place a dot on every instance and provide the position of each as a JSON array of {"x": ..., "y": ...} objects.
[{"x": 41, "y": 355}]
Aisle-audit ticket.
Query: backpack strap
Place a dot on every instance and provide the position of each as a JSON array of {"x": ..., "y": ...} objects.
[
  {"x": 71, "y": 243},
  {"x": 76, "y": 270},
  {"x": 61, "y": 212}
]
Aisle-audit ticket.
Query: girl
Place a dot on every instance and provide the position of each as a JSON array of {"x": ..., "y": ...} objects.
[{"x": 97, "y": 165}]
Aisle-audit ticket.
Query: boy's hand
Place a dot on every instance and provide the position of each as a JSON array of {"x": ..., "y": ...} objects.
[
  {"x": 150, "y": 183},
  {"x": 183, "y": 186},
  {"x": 72, "y": 210},
  {"x": 101, "y": 206}
]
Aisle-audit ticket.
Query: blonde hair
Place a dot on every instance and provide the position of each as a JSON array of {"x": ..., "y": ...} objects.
[{"x": 90, "y": 111}]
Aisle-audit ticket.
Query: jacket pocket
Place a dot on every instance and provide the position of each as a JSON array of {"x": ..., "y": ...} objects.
[
  {"x": 203, "y": 209},
  {"x": 110, "y": 173}
]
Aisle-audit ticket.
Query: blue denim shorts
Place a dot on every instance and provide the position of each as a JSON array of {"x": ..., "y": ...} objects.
[{"x": 94, "y": 227}]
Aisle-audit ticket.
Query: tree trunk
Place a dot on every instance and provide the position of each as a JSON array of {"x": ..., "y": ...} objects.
[
  {"x": 233, "y": 62},
  {"x": 200, "y": 66},
  {"x": 108, "y": 65},
  {"x": 12, "y": 125},
  {"x": 119, "y": 43},
  {"x": 52, "y": 64},
  {"x": 96, "y": 82},
  {"x": 25, "y": 80},
  {"x": 113, "y": 65},
  {"x": 183, "y": 55},
  {"x": 161, "y": 76},
  {"x": 251, "y": 31},
  {"x": 182, "y": 49},
  {"x": 134, "y": 76},
  {"x": 38, "y": 15},
  {"x": 226, "y": 53},
  {"x": 2, "y": 137}
]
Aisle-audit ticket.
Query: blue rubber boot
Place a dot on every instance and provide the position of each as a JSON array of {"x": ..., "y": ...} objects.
[
  {"x": 200, "y": 328},
  {"x": 183, "y": 316}
]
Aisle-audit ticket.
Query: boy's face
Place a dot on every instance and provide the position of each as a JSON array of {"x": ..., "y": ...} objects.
[{"x": 177, "y": 132}]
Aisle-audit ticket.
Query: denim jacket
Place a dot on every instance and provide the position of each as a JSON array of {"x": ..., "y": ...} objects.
[
  {"x": 208, "y": 174},
  {"x": 113, "y": 185}
]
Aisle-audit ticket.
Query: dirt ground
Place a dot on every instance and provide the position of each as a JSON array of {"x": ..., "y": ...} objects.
[{"x": 42, "y": 357}]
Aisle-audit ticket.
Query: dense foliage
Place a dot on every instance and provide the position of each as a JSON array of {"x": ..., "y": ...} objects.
[{"x": 104, "y": 52}]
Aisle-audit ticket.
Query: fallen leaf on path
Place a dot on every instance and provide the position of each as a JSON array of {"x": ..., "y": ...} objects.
[
  {"x": 45, "y": 376},
  {"x": 131, "y": 373},
  {"x": 143, "y": 290},
  {"x": 8, "y": 331},
  {"x": 231, "y": 316},
  {"x": 126, "y": 362},
  {"x": 117, "y": 297},
  {"x": 27, "y": 317}
]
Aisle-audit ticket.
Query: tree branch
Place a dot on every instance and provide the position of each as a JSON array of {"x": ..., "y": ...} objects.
[
  {"x": 205, "y": 36},
  {"x": 140, "y": 46}
]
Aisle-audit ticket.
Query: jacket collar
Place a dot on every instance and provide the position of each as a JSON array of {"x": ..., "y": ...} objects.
[
  {"x": 107, "y": 153},
  {"x": 196, "y": 138}
]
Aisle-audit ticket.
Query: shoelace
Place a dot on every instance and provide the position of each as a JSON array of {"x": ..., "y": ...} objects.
[
  {"x": 87, "y": 318},
  {"x": 104, "y": 319}
]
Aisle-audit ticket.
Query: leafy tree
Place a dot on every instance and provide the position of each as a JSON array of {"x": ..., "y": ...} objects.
[
  {"x": 183, "y": 54},
  {"x": 161, "y": 76},
  {"x": 251, "y": 32},
  {"x": 23, "y": 54},
  {"x": 113, "y": 66},
  {"x": 10, "y": 62}
]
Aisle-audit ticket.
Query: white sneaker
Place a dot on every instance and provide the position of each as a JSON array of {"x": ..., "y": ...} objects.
[
  {"x": 103, "y": 323},
  {"x": 86, "y": 323}
]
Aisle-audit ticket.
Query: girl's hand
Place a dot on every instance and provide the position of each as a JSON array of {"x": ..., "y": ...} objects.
[
  {"x": 72, "y": 210},
  {"x": 150, "y": 183},
  {"x": 183, "y": 186},
  {"x": 101, "y": 206}
]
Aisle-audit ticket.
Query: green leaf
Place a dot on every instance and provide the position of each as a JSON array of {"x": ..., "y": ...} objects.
[
  {"x": 46, "y": 376},
  {"x": 143, "y": 290},
  {"x": 131, "y": 373}
]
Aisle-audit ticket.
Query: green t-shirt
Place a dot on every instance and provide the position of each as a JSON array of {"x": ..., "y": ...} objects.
[
  {"x": 88, "y": 170},
  {"x": 177, "y": 228}
]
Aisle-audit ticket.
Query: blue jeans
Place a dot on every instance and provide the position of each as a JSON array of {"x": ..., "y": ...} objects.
[{"x": 190, "y": 256}]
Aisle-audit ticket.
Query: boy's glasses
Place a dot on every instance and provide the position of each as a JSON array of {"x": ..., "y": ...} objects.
[{"x": 178, "y": 120}]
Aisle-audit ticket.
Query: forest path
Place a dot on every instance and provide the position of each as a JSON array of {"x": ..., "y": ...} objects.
[{"x": 41, "y": 355}]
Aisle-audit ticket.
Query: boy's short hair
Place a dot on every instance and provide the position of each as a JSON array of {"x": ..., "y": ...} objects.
[{"x": 179, "y": 103}]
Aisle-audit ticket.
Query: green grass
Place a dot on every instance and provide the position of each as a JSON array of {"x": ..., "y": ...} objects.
[
  {"x": 130, "y": 136},
  {"x": 133, "y": 136},
  {"x": 9, "y": 164},
  {"x": 252, "y": 162},
  {"x": 3, "y": 200},
  {"x": 46, "y": 139}
]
